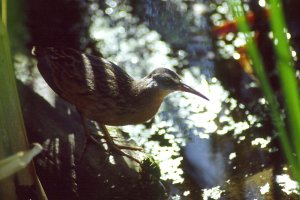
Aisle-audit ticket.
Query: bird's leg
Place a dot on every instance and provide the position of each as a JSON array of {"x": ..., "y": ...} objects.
[
  {"x": 112, "y": 146},
  {"x": 116, "y": 148},
  {"x": 89, "y": 136},
  {"x": 110, "y": 140}
]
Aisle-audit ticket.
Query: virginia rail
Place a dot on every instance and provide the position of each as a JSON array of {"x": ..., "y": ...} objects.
[{"x": 103, "y": 92}]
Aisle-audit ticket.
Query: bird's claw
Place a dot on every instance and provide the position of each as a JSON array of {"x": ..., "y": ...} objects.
[
  {"x": 115, "y": 148},
  {"x": 93, "y": 140},
  {"x": 133, "y": 148}
]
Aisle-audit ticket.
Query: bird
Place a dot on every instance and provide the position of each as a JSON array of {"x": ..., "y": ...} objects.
[{"x": 103, "y": 92}]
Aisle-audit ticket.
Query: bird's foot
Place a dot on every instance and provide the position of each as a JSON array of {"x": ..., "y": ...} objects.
[
  {"x": 133, "y": 148},
  {"x": 92, "y": 138},
  {"x": 117, "y": 149},
  {"x": 97, "y": 138}
]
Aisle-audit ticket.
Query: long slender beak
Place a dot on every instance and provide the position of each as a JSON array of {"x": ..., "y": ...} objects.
[{"x": 185, "y": 88}]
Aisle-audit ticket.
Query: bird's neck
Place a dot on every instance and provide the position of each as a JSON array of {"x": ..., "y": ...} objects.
[{"x": 147, "y": 99}]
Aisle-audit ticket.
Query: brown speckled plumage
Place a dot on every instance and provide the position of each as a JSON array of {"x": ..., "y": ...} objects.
[
  {"x": 98, "y": 88},
  {"x": 102, "y": 91}
]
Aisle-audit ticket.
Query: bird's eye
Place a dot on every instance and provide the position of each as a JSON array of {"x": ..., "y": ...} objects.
[{"x": 168, "y": 81}]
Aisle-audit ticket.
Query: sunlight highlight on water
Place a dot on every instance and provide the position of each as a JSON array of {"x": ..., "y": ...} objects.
[
  {"x": 212, "y": 193},
  {"x": 288, "y": 185}
]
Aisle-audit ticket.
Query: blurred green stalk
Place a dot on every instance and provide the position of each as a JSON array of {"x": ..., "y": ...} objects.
[
  {"x": 12, "y": 129},
  {"x": 4, "y": 10},
  {"x": 287, "y": 76}
]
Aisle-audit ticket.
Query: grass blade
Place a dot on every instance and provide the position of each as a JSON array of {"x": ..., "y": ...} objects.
[
  {"x": 288, "y": 147},
  {"x": 287, "y": 74}
]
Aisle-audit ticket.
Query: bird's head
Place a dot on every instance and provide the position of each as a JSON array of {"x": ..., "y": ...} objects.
[{"x": 167, "y": 81}]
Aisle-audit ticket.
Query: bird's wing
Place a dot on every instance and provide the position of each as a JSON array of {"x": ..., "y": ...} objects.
[{"x": 70, "y": 72}]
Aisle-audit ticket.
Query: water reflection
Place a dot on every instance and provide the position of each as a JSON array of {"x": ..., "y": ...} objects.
[{"x": 200, "y": 158}]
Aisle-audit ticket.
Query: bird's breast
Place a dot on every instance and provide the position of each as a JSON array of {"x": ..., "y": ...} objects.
[
  {"x": 144, "y": 109},
  {"x": 116, "y": 113}
]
